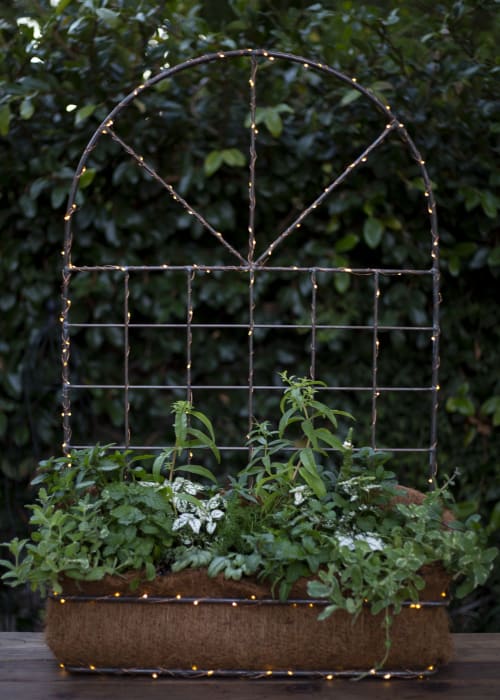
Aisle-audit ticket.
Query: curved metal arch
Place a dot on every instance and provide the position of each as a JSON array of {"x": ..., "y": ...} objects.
[{"x": 391, "y": 124}]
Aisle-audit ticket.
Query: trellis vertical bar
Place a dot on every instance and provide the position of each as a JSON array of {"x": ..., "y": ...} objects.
[
  {"x": 436, "y": 300},
  {"x": 65, "y": 355},
  {"x": 253, "y": 160},
  {"x": 126, "y": 357},
  {"x": 189, "y": 334},
  {"x": 375, "y": 349},
  {"x": 314, "y": 291},
  {"x": 251, "y": 348}
]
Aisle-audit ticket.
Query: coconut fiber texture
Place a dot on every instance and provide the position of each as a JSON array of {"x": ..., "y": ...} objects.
[{"x": 163, "y": 635}]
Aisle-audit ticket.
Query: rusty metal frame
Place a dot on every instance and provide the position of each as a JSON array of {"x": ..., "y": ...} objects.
[{"x": 252, "y": 265}]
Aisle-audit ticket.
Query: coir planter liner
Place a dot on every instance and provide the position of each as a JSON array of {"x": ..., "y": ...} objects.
[{"x": 187, "y": 623}]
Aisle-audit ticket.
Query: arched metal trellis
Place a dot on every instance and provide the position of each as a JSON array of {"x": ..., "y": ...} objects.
[{"x": 253, "y": 262}]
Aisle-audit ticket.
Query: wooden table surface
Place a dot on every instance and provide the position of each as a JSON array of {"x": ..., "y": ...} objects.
[{"x": 28, "y": 671}]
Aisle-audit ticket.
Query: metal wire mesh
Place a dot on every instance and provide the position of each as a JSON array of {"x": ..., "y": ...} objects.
[{"x": 252, "y": 265}]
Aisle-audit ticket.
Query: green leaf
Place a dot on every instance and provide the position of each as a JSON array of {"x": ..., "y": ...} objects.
[
  {"x": 342, "y": 282},
  {"x": 87, "y": 177},
  {"x": 314, "y": 482},
  {"x": 373, "y": 230},
  {"x": 197, "y": 469},
  {"x": 350, "y": 96},
  {"x": 58, "y": 196},
  {"x": 205, "y": 420},
  {"x": 180, "y": 425},
  {"x": 202, "y": 440},
  {"x": 306, "y": 456},
  {"x": 492, "y": 407},
  {"x": 328, "y": 437},
  {"x": 233, "y": 157},
  {"x": 5, "y": 117},
  {"x": 126, "y": 514},
  {"x": 489, "y": 203},
  {"x": 273, "y": 122},
  {"x": 310, "y": 433},
  {"x": 460, "y": 404},
  {"x": 317, "y": 589},
  {"x": 96, "y": 573},
  {"x": 109, "y": 17},
  {"x": 288, "y": 418},
  {"x": 84, "y": 113},
  {"x": 494, "y": 257},
  {"x": 212, "y": 163},
  {"x": 346, "y": 243},
  {"x": 350, "y": 606},
  {"x": 27, "y": 109}
]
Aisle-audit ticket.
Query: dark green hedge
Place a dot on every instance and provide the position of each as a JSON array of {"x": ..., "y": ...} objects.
[{"x": 435, "y": 64}]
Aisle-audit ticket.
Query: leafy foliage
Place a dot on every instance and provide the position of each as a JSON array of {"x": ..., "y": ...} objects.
[
  {"x": 61, "y": 71},
  {"x": 308, "y": 508}
]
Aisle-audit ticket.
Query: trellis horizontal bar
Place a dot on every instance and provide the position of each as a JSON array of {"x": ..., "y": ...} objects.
[
  {"x": 284, "y": 326},
  {"x": 244, "y": 268},
  {"x": 212, "y": 387},
  {"x": 240, "y": 448},
  {"x": 235, "y": 602},
  {"x": 326, "y": 675}
]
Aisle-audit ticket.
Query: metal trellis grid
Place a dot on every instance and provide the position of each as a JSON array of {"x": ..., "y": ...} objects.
[{"x": 252, "y": 263}]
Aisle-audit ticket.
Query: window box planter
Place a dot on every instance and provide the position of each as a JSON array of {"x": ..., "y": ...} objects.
[{"x": 190, "y": 624}]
